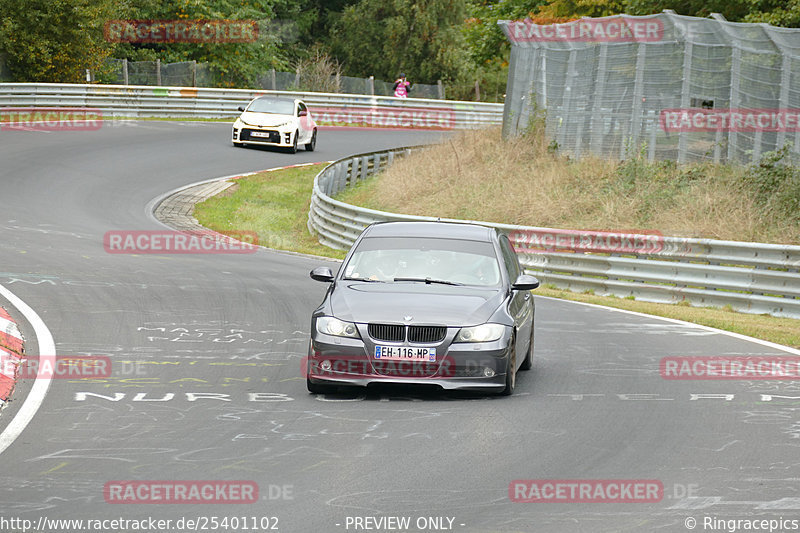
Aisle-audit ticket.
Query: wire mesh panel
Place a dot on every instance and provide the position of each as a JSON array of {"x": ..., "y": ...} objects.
[{"x": 666, "y": 86}]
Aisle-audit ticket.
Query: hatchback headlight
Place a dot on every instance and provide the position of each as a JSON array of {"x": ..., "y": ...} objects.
[
  {"x": 482, "y": 333},
  {"x": 338, "y": 328}
]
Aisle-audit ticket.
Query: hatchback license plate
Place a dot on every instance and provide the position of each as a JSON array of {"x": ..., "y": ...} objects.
[
  {"x": 260, "y": 134},
  {"x": 405, "y": 353}
]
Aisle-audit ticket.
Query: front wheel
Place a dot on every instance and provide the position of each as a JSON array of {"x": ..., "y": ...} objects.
[
  {"x": 293, "y": 149},
  {"x": 316, "y": 388},
  {"x": 511, "y": 370},
  {"x": 313, "y": 142},
  {"x": 527, "y": 363}
]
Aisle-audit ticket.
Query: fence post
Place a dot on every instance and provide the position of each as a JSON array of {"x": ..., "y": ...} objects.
[
  {"x": 567, "y": 99},
  {"x": 125, "y": 71},
  {"x": 371, "y": 85},
  {"x": 597, "y": 123},
  {"x": 638, "y": 94},
  {"x": 273, "y": 80},
  {"x": 736, "y": 63},
  {"x": 477, "y": 91},
  {"x": 683, "y": 136},
  {"x": 158, "y": 72},
  {"x": 440, "y": 86},
  {"x": 297, "y": 79},
  {"x": 194, "y": 73}
]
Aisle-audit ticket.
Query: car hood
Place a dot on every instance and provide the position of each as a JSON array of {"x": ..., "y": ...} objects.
[
  {"x": 358, "y": 301},
  {"x": 264, "y": 120}
]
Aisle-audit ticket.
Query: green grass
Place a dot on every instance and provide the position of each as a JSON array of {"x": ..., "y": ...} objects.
[{"x": 275, "y": 206}]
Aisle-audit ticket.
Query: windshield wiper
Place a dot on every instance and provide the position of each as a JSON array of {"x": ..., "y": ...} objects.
[
  {"x": 428, "y": 281},
  {"x": 365, "y": 279}
]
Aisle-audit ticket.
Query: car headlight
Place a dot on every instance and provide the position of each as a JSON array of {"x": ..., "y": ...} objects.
[
  {"x": 338, "y": 328},
  {"x": 482, "y": 333}
]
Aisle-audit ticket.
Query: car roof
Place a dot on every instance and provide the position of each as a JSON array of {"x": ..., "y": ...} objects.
[
  {"x": 448, "y": 230},
  {"x": 277, "y": 97}
]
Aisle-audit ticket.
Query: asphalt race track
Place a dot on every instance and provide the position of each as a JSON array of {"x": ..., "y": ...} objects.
[{"x": 207, "y": 383}]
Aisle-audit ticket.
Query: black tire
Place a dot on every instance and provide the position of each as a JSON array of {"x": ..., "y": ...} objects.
[
  {"x": 317, "y": 388},
  {"x": 511, "y": 370},
  {"x": 527, "y": 363},
  {"x": 311, "y": 145},
  {"x": 293, "y": 149}
]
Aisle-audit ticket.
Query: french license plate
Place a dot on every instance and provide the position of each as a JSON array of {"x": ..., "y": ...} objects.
[
  {"x": 259, "y": 134},
  {"x": 405, "y": 353}
]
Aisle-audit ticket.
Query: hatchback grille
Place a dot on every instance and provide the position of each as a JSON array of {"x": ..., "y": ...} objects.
[
  {"x": 426, "y": 334},
  {"x": 247, "y": 135},
  {"x": 397, "y": 333},
  {"x": 387, "y": 332}
]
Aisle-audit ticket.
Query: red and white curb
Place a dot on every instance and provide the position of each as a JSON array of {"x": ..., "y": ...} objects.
[{"x": 11, "y": 342}]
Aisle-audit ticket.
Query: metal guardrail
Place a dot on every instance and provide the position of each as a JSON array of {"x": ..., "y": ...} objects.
[
  {"x": 182, "y": 102},
  {"x": 749, "y": 277}
]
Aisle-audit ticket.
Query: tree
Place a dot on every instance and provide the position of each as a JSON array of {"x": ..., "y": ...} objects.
[
  {"x": 575, "y": 9},
  {"x": 54, "y": 40},
  {"x": 734, "y": 10},
  {"x": 235, "y": 64},
  {"x": 384, "y": 37},
  {"x": 784, "y": 13}
]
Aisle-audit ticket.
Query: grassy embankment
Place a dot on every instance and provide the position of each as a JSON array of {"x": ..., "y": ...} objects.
[{"x": 477, "y": 176}]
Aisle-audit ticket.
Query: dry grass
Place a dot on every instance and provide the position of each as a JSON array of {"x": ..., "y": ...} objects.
[{"x": 478, "y": 176}]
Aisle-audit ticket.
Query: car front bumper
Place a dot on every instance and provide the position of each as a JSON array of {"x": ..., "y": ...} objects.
[
  {"x": 264, "y": 136},
  {"x": 462, "y": 366}
]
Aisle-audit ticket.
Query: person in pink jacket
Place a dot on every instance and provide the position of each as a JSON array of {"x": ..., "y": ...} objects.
[{"x": 402, "y": 87}]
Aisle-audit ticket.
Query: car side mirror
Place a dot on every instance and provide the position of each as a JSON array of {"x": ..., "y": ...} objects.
[
  {"x": 325, "y": 274},
  {"x": 240, "y": 108},
  {"x": 302, "y": 113},
  {"x": 525, "y": 283}
]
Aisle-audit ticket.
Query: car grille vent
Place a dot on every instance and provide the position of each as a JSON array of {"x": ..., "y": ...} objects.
[
  {"x": 387, "y": 332},
  {"x": 426, "y": 334},
  {"x": 397, "y": 333}
]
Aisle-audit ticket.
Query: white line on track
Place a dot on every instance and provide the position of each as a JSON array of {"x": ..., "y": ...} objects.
[
  {"x": 47, "y": 354},
  {"x": 684, "y": 323}
]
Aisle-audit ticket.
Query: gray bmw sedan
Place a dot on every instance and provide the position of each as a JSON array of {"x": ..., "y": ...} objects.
[{"x": 423, "y": 303}]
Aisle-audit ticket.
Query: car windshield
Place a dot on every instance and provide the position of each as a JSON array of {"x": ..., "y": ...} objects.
[
  {"x": 271, "y": 105},
  {"x": 424, "y": 260}
]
